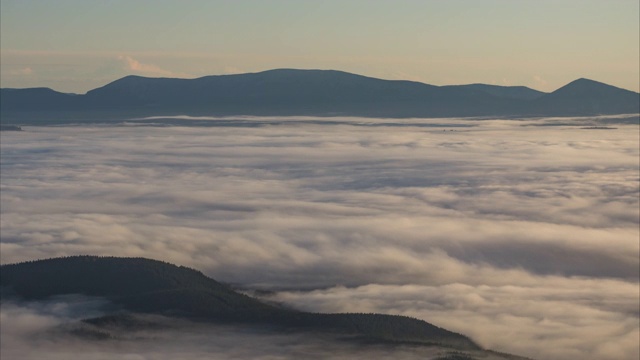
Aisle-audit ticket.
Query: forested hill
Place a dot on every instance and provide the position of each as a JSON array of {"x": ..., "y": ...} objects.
[{"x": 150, "y": 286}]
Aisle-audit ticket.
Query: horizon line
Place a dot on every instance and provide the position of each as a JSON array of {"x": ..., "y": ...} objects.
[{"x": 314, "y": 69}]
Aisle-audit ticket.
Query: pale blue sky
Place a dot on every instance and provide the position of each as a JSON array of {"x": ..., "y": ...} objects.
[{"x": 76, "y": 45}]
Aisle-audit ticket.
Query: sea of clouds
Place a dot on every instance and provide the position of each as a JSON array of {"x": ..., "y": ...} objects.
[{"x": 522, "y": 234}]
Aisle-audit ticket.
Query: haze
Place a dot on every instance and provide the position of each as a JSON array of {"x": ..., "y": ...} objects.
[{"x": 75, "y": 45}]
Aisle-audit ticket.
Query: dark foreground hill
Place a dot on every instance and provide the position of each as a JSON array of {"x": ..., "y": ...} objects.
[
  {"x": 153, "y": 287},
  {"x": 288, "y": 92},
  {"x": 150, "y": 295}
]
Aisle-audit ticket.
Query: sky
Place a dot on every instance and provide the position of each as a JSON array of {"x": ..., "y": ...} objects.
[
  {"x": 77, "y": 45},
  {"x": 522, "y": 235}
]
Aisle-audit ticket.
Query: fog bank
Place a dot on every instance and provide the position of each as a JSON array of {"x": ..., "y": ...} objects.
[{"x": 524, "y": 237}]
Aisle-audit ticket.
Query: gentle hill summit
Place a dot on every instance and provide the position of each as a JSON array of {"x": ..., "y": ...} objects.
[
  {"x": 34, "y": 99},
  {"x": 290, "y": 92},
  {"x": 588, "y": 97},
  {"x": 155, "y": 287},
  {"x": 138, "y": 284}
]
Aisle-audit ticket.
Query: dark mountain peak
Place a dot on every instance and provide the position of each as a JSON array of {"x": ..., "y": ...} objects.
[
  {"x": 100, "y": 276},
  {"x": 36, "y": 90},
  {"x": 37, "y": 93},
  {"x": 304, "y": 72},
  {"x": 588, "y": 97},
  {"x": 129, "y": 78},
  {"x": 34, "y": 99},
  {"x": 583, "y": 86},
  {"x": 586, "y": 82},
  {"x": 303, "y": 77},
  {"x": 124, "y": 82},
  {"x": 131, "y": 91},
  {"x": 301, "y": 71}
]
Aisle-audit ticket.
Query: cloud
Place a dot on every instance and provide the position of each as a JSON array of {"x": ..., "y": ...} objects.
[
  {"x": 521, "y": 218},
  {"x": 39, "y": 331},
  {"x": 539, "y": 321},
  {"x": 132, "y": 65},
  {"x": 539, "y": 81},
  {"x": 25, "y": 71}
]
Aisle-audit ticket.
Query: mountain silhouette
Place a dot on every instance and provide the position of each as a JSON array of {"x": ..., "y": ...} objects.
[
  {"x": 33, "y": 99},
  {"x": 587, "y": 97},
  {"x": 287, "y": 92},
  {"x": 507, "y": 92}
]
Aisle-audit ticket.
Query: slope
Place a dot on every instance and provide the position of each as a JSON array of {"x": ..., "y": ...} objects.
[
  {"x": 155, "y": 287},
  {"x": 292, "y": 92},
  {"x": 587, "y": 97},
  {"x": 507, "y": 92}
]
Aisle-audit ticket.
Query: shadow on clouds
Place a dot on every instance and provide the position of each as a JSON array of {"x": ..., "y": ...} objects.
[{"x": 523, "y": 237}]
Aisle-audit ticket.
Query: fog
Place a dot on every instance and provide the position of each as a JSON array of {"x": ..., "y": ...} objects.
[
  {"x": 45, "y": 330},
  {"x": 521, "y": 234}
]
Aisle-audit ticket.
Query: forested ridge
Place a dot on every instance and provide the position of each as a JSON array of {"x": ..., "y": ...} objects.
[{"x": 156, "y": 287}]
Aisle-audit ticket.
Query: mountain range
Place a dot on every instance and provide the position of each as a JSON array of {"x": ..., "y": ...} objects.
[
  {"x": 144, "y": 286},
  {"x": 289, "y": 92}
]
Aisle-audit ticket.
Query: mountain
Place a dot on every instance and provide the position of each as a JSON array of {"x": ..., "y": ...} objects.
[
  {"x": 587, "y": 97},
  {"x": 136, "y": 284},
  {"x": 153, "y": 287},
  {"x": 291, "y": 92},
  {"x": 507, "y": 92},
  {"x": 35, "y": 98},
  {"x": 284, "y": 92}
]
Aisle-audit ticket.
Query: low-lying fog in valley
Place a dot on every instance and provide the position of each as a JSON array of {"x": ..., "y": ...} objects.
[
  {"x": 44, "y": 330},
  {"x": 522, "y": 234}
]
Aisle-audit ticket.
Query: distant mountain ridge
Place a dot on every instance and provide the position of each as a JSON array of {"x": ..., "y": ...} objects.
[
  {"x": 290, "y": 92},
  {"x": 588, "y": 97},
  {"x": 508, "y": 92}
]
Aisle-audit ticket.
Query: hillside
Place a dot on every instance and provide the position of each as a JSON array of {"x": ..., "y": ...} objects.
[
  {"x": 507, "y": 92},
  {"x": 586, "y": 97},
  {"x": 288, "y": 92},
  {"x": 148, "y": 286}
]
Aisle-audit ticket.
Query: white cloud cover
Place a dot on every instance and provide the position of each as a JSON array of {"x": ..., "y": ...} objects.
[{"x": 523, "y": 237}]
